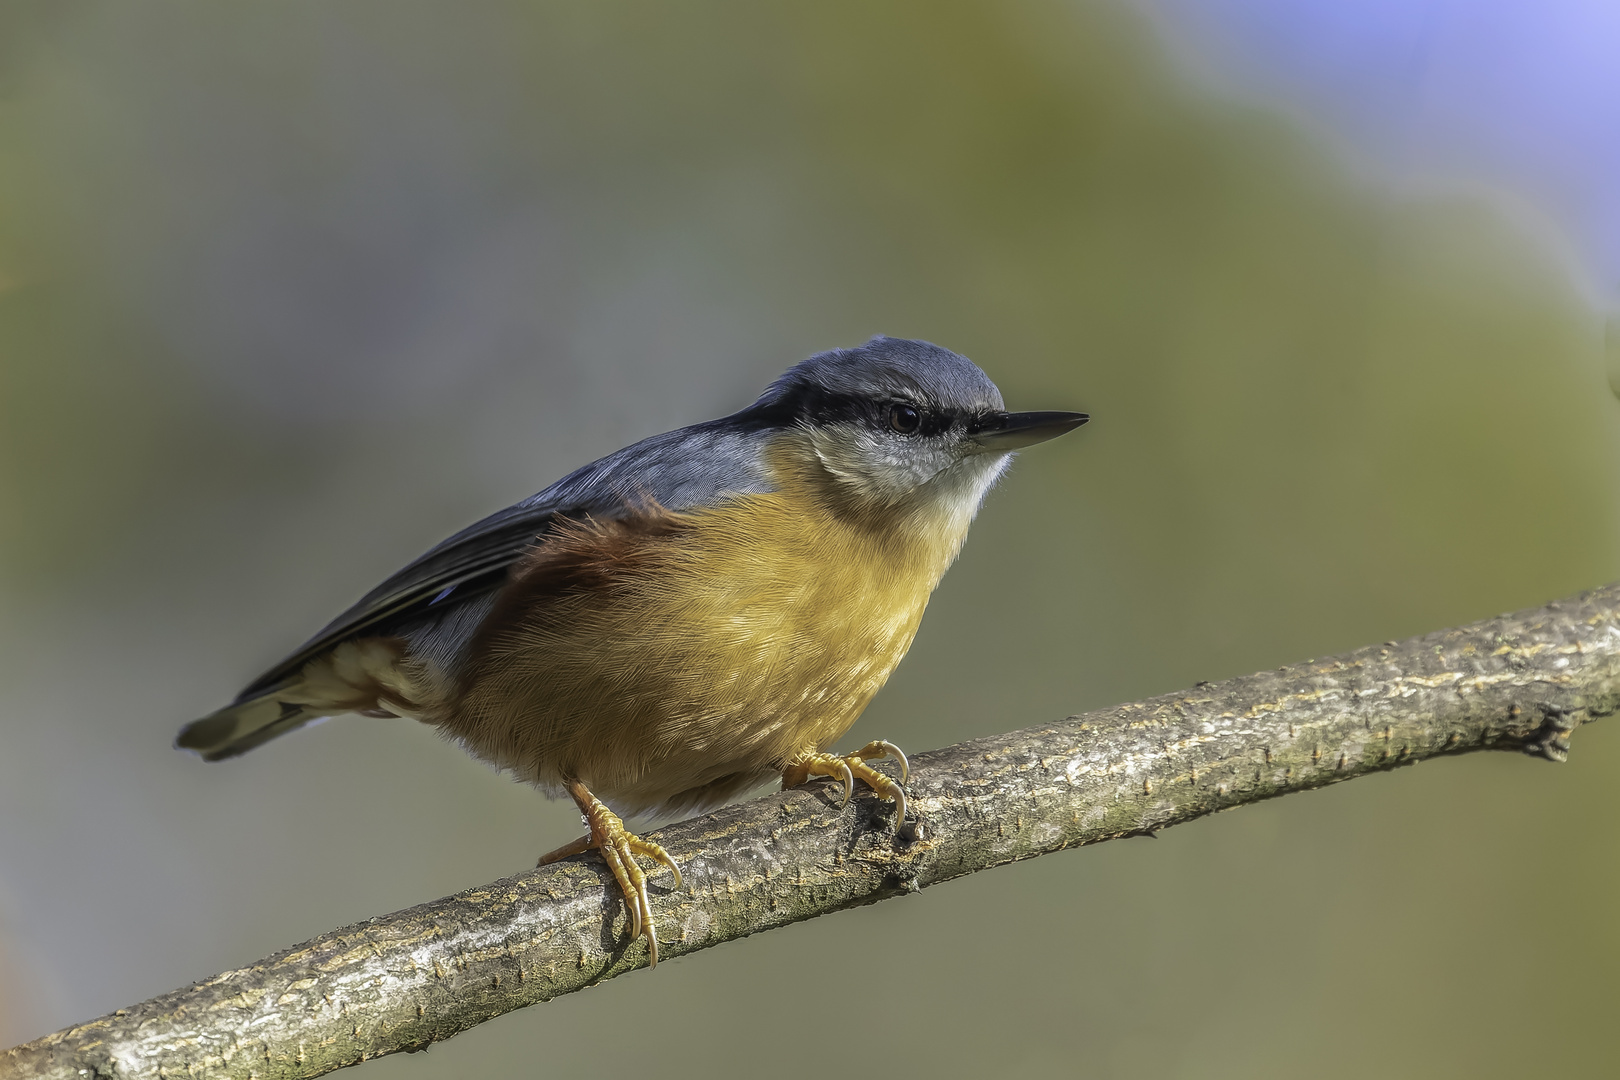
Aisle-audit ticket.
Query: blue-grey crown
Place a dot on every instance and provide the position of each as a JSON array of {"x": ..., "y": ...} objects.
[{"x": 888, "y": 368}]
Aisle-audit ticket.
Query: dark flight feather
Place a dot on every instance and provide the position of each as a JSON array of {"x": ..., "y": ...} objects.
[{"x": 678, "y": 470}]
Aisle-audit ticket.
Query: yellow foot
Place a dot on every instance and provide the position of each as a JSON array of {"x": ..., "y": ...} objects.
[
  {"x": 619, "y": 848},
  {"x": 852, "y": 767}
]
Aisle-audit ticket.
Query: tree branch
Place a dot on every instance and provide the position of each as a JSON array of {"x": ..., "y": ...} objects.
[{"x": 406, "y": 980}]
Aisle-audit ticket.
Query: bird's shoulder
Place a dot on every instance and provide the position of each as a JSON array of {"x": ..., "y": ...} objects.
[{"x": 676, "y": 471}]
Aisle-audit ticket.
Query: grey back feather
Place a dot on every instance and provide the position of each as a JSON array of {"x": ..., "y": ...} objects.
[{"x": 680, "y": 470}]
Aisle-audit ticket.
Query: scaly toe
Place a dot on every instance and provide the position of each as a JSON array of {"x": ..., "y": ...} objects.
[
  {"x": 851, "y": 767},
  {"x": 619, "y": 848},
  {"x": 883, "y": 748},
  {"x": 884, "y": 788},
  {"x": 830, "y": 765},
  {"x": 654, "y": 851},
  {"x": 636, "y": 898}
]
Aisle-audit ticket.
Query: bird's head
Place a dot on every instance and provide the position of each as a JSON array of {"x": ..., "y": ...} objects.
[{"x": 904, "y": 425}]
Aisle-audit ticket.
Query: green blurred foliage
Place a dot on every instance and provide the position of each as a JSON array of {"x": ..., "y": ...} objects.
[{"x": 1328, "y": 412}]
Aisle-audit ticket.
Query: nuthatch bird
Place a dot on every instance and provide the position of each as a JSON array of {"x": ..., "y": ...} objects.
[{"x": 676, "y": 623}]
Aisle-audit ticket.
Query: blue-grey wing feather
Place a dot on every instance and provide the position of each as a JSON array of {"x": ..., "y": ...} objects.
[{"x": 431, "y": 599}]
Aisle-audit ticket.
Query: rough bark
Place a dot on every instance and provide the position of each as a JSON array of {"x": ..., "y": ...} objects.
[{"x": 403, "y": 981}]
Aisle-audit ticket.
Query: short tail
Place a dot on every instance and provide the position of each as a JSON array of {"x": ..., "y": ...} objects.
[{"x": 238, "y": 728}]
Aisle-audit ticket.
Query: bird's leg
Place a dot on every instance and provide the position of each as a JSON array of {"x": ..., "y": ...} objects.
[
  {"x": 852, "y": 767},
  {"x": 619, "y": 848}
]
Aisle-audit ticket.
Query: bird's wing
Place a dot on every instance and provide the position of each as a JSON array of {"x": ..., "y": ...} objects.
[
  {"x": 469, "y": 564},
  {"x": 679, "y": 470}
]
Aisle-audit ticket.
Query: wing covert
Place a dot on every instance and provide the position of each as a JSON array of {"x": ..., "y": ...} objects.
[
  {"x": 467, "y": 565},
  {"x": 680, "y": 470}
]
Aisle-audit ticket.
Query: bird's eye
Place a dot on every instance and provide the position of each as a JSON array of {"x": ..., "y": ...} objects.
[{"x": 904, "y": 418}]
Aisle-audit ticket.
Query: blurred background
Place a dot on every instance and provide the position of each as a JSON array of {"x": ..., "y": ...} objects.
[{"x": 290, "y": 291}]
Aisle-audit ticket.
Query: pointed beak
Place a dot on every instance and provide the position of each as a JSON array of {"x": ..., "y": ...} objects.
[{"x": 1009, "y": 431}]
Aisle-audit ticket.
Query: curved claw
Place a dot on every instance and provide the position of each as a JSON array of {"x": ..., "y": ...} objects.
[
  {"x": 883, "y": 748},
  {"x": 620, "y": 863},
  {"x": 852, "y": 768},
  {"x": 849, "y": 783},
  {"x": 819, "y": 764},
  {"x": 619, "y": 849},
  {"x": 885, "y": 788},
  {"x": 646, "y": 920},
  {"x": 635, "y": 927},
  {"x": 658, "y": 854},
  {"x": 899, "y": 756}
]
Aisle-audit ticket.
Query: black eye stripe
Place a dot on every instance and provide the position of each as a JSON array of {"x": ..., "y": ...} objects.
[
  {"x": 821, "y": 407},
  {"x": 933, "y": 423}
]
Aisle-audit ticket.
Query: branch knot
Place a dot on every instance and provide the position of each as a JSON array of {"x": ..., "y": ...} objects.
[{"x": 1551, "y": 739}]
